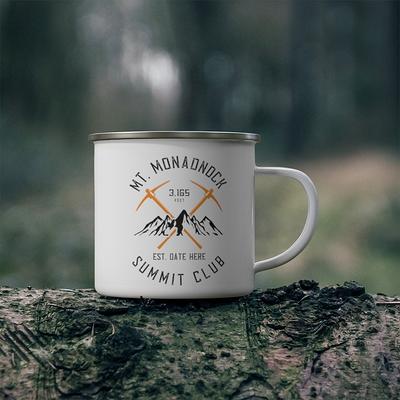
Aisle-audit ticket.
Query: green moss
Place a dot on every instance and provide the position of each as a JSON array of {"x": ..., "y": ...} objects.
[{"x": 110, "y": 349}]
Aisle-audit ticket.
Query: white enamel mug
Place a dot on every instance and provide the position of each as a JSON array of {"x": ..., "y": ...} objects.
[{"x": 174, "y": 214}]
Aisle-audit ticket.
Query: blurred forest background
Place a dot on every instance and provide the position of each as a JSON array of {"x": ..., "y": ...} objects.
[{"x": 320, "y": 80}]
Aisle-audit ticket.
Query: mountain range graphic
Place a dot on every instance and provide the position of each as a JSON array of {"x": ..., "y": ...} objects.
[{"x": 163, "y": 226}]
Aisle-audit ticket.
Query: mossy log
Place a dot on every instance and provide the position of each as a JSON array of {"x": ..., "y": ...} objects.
[{"x": 293, "y": 342}]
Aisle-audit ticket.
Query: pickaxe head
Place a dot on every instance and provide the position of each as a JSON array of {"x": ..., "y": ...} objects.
[
  {"x": 208, "y": 193},
  {"x": 150, "y": 193}
]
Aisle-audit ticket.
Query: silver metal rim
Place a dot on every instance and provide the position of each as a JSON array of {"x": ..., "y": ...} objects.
[{"x": 207, "y": 135}]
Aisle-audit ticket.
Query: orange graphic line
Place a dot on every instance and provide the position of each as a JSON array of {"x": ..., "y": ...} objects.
[
  {"x": 150, "y": 194},
  {"x": 166, "y": 239},
  {"x": 200, "y": 186},
  {"x": 160, "y": 246},
  {"x": 208, "y": 194},
  {"x": 158, "y": 202},
  {"x": 200, "y": 203},
  {"x": 193, "y": 239}
]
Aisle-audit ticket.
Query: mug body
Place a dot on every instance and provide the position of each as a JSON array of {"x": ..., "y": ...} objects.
[{"x": 174, "y": 217}]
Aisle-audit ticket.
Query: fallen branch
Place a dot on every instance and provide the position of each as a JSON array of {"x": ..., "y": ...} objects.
[{"x": 297, "y": 341}]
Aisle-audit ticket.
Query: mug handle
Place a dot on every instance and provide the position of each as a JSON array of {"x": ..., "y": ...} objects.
[{"x": 305, "y": 236}]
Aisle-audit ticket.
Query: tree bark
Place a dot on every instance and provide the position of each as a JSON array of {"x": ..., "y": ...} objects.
[{"x": 292, "y": 342}]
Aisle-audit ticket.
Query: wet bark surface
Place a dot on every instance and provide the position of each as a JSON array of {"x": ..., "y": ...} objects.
[{"x": 294, "y": 342}]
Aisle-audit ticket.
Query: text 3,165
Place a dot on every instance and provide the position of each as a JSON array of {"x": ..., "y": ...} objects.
[{"x": 179, "y": 192}]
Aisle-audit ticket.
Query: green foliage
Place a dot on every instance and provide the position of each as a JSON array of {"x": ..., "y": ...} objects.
[
  {"x": 357, "y": 235},
  {"x": 324, "y": 88}
]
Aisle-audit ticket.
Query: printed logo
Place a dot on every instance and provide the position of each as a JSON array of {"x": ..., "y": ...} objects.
[
  {"x": 186, "y": 223},
  {"x": 180, "y": 220}
]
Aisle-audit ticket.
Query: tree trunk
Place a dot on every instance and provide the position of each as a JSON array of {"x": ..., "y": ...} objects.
[{"x": 294, "y": 342}]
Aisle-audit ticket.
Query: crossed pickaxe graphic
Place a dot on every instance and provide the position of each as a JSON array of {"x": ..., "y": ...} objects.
[{"x": 150, "y": 194}]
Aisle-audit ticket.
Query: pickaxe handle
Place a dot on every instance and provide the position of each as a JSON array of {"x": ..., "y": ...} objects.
[
  {"x": 158, "y": 202},
  {"x": 189, "y": 235},
  {"x": 160, "y": 246},
  {"x": 161, "y": 205},
  {"x": 201, "y": 202}
]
